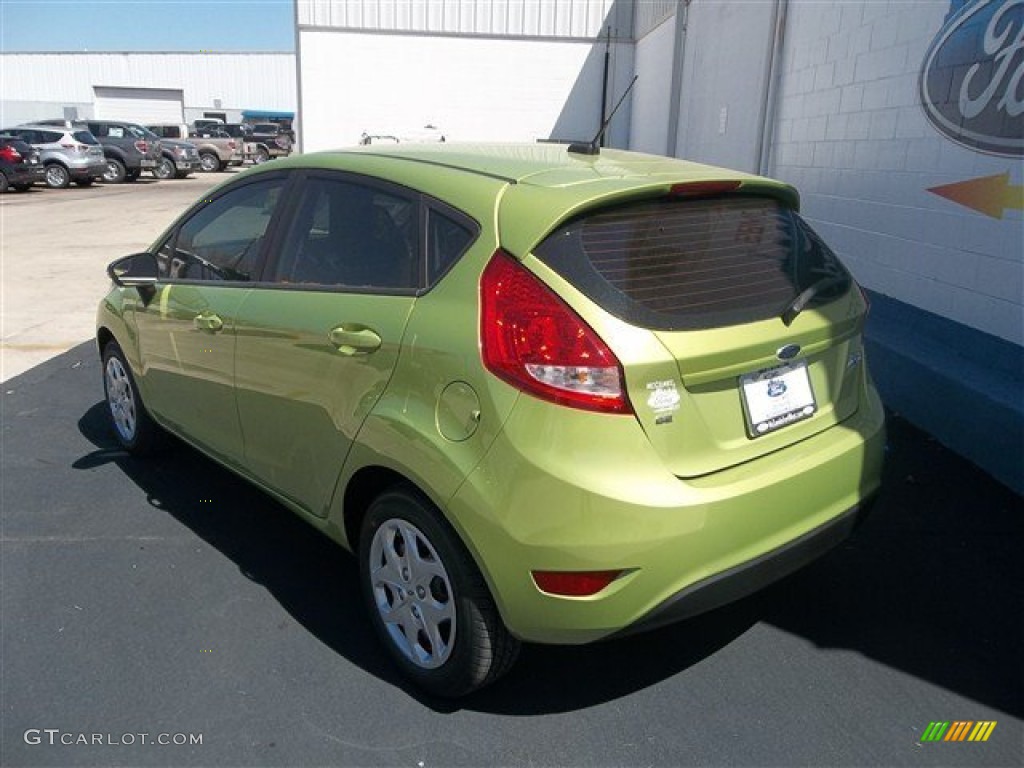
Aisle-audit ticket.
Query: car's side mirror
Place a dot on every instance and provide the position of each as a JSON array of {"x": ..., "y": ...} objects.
[{"x": 137, "y": 270}]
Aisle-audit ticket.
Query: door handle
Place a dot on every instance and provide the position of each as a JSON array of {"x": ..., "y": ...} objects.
[
  {"x": 208, "y": 322},
  {"x": 352, "y": 339}
]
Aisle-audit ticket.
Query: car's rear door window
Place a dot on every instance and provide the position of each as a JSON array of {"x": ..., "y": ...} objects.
[
  {"x": 84, "y": 137},
  {"x": 223, "y": 239},
  {"x": 449, "y": 235},
  {"x": 679, "y": 264}
]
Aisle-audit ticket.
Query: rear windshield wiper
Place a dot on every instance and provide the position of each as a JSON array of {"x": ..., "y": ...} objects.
[{"x": 807, "y": 295}]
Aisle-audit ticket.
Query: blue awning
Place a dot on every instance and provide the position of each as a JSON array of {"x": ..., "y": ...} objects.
[{"x": 265, "y": 114}]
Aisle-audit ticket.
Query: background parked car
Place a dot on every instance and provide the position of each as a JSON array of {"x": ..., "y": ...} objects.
[
  {"x": 128, "y": 147},
  {"x": 272, "y": 141},
  {"x": 19, "y": 164},
  {"x": 177, "y": 159},
  {"x": 216, "y": 150},
  {"x": 66, "y": 154}
]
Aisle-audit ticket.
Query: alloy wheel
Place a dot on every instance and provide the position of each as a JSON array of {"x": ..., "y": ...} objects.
[{"x": 121, "y": 399}]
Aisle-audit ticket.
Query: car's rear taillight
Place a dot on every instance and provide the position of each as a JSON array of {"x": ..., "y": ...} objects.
[
  {"x": 10, "y": 154},
  {"x": 231, "y": 144},
  {"x": 142, "y": 146},
  {"x": 533, "y": 340}
]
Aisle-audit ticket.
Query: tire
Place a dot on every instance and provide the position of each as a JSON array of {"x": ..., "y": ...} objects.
[
  {"x": 210, "y": 162},
  {"x": 135, "y": 430},
  {"x": 84, "y": 182},
  {"x": 165, "y": 169},
  {"x": 57, "y": 176},
  {"x": 3, "y": 183},
  {"x": 261, "y": 155},
  {"x": 21, "y": 187},
  {"x": 115, "y": 173},
  {"x": 459, "y": 643}
]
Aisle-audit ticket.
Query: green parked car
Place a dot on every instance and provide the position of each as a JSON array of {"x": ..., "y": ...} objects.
[{"x": 542, "y": 395}]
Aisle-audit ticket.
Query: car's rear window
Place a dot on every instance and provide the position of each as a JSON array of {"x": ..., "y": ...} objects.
[
  {"x": 681, "y": 264},
  {"x": 84, "y": 137}
]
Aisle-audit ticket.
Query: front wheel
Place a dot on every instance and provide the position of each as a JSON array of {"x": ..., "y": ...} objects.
[
  {"x": 135, "y": 430},
  {"x": 115, "y": 173},
  {"x": 210, "y": 162},
  {"x": 165, "y": 169},
  {"x": 427, "y": 601}
]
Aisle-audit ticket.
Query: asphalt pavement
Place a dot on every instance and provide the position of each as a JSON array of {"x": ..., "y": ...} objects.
[{"x": 166, "y": 600}]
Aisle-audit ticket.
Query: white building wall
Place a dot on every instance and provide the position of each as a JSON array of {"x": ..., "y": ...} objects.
[
  {"x": 725, "y": 64},
  {"x": 853, "y": 137},
  {"x": 652, "y": 98},
  {"x": 34, "y": 85},
  {"x": 471, "y": 88}
]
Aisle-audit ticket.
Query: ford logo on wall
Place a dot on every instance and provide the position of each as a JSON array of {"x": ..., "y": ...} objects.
[{"x": 972, "y": 82}]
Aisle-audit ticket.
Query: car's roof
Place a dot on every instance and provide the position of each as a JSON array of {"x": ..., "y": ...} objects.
[{"x": 543, "y": 164}]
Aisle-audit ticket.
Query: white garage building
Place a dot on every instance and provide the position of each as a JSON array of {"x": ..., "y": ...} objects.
[
  {"x": 901, "y": 123},
  {"x": 145, "y": 87}
]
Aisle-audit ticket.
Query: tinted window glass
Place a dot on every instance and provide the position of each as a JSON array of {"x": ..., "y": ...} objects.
[
  {"x": 683, "y": 264},
  {"x": 222, "y": 240},
  {"x": 85, "y": 137},
  {"x": 447, "y": 240},
  {"x": 347, "y": 234}
]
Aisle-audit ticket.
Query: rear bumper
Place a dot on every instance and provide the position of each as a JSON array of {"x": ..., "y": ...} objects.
[
  {"x": 753, "y": 575},
  {"x": 573, "y": 503},
  {"x": 25, "y": 174}
]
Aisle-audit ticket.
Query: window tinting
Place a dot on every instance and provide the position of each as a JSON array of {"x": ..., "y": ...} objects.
[
  {"x": 447, "y": 240},
  {"x": 347, "y": 234},
  {"x": 222, "y": 240},
  {"x": 685, "y": 264}
]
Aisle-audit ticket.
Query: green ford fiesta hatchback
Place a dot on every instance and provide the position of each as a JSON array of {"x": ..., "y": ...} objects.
[{"x": 543, "y": 396}]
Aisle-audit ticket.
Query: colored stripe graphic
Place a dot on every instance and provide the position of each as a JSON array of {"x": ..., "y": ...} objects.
[
  {"x": 982, "y": 730},
  {"x": 958, "y": 730}
]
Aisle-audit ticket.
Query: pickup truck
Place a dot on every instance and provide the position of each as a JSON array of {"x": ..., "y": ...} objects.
[{"x": 216, "y": 151}]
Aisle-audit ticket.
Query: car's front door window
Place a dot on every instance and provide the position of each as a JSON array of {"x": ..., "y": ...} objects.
[{"x": 222, "y": 241}]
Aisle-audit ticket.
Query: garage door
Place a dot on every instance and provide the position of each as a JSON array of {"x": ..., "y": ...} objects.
[{"x": 139, "y": 105}]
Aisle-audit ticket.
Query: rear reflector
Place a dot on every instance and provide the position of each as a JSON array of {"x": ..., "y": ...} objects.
[{"x": 574, "y": 583}]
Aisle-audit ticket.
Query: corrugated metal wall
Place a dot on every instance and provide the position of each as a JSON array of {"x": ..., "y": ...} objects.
[
  {"x": 512, "y": 18},
  {"x": 238, "y": 80},
  {"x": 650, "y": 13}
]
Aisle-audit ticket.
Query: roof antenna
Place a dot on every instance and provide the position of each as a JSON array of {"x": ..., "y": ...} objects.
[{"x": 592, "y": 147}]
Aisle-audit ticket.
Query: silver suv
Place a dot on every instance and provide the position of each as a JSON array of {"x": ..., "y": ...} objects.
[{"x": 68, "y": 154}]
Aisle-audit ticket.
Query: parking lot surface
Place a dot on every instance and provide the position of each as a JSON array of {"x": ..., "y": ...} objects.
[
  {"x": 56, "y": 246},
  {"x": 166, "y": 599}
]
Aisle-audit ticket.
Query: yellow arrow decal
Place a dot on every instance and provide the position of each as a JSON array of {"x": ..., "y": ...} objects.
[{"x": 990, "y": 195}]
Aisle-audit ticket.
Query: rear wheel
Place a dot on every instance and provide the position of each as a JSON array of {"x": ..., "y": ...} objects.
[
  {"x": 115, "y": 173},
  {"x": 261, "y": 156},
  {"x": 428, "y": 602},
  {"x": 210, "y": 162},
  {"x": 3, "y": 183},
  {"x": 164, "y": 169},
  {"x": 135, "y": 431},
  {"x": 57, "y": 176}
]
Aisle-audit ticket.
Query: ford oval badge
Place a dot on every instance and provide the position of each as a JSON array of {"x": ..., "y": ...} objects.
[
  {"x": 970, "y": 81},
  {"x": 788, "y": 352}
]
